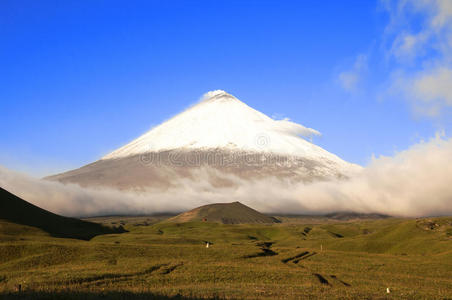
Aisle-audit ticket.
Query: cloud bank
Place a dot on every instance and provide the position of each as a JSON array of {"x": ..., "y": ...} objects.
[{"x": 412, "y": 183}]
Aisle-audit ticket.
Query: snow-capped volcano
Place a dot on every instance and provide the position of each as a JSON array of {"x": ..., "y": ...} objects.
[
  {"x": 219, "y": 125},
  {"x": 221, "y": 121}
]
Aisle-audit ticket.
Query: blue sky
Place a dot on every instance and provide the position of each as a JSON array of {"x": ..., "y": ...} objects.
[{"x": 81, "y": 78}]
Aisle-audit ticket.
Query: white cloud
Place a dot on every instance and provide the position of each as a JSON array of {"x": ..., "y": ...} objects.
[
  {"x": 415, "y": 182},
  {"x": 407, "y": 46},
  {"x": 444, "y": 12},
  {"x": 288, "y": 127},
  {"x": 350, "y": 79},
  {"x": 434, "y": 85},
  {"x": 420, "y": 38}
]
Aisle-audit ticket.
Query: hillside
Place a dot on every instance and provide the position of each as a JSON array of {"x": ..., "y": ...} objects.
[
  {"x": 226, "y": 213},
  {"x": 15, "y": 210},
  {"x": 162, "y": 260}
]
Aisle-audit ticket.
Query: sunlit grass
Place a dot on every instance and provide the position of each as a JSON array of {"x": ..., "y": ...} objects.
[{"x": 356, "y": 259}]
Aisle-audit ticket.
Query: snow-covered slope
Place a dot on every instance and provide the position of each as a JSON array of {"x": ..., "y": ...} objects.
[
  {"x": 221, "y": 121},
  {"x": 243, "y": 141}
]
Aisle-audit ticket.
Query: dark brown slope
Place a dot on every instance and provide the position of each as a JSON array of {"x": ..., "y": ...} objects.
[
  {"x": 226, "y": 213},
  {"x": 14, "y": 209},
  {"x": 164, "y": 169}
]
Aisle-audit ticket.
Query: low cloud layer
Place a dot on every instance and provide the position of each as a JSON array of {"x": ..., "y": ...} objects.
[{"x": 412, "y": 183}]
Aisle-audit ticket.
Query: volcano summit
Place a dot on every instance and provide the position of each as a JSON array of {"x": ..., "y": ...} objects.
[{"x": 220, "y": 133}]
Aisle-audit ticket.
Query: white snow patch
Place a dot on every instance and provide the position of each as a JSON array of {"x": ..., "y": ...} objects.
[{"x": 221, "y": 121}]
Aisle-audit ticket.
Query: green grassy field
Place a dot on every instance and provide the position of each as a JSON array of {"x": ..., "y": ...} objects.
[{"x": 301, "y": 258}]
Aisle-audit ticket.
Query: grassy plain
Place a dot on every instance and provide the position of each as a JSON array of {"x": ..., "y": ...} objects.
[{"x": 300, "y": 258}]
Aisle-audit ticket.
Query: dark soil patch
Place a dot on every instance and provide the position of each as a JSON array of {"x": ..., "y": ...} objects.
[
  {"x": 286, "y": 260},
  {"x": 321, "y": 279},
  {"x": 336, "y": 235},
  {"x": 171, "y": 269},
  {"x": 142, "y": 224},
  {"x": 304, "y": 257},
  {"x": 343, "y": 282},
  {"x": 266, "y": 251},
  {"x": 265, "y": 244}
]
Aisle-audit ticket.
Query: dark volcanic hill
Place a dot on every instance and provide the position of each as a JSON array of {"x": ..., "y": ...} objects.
[
  {"x": 226, "y": 213},
  {"x": 15, "y": 210}
]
